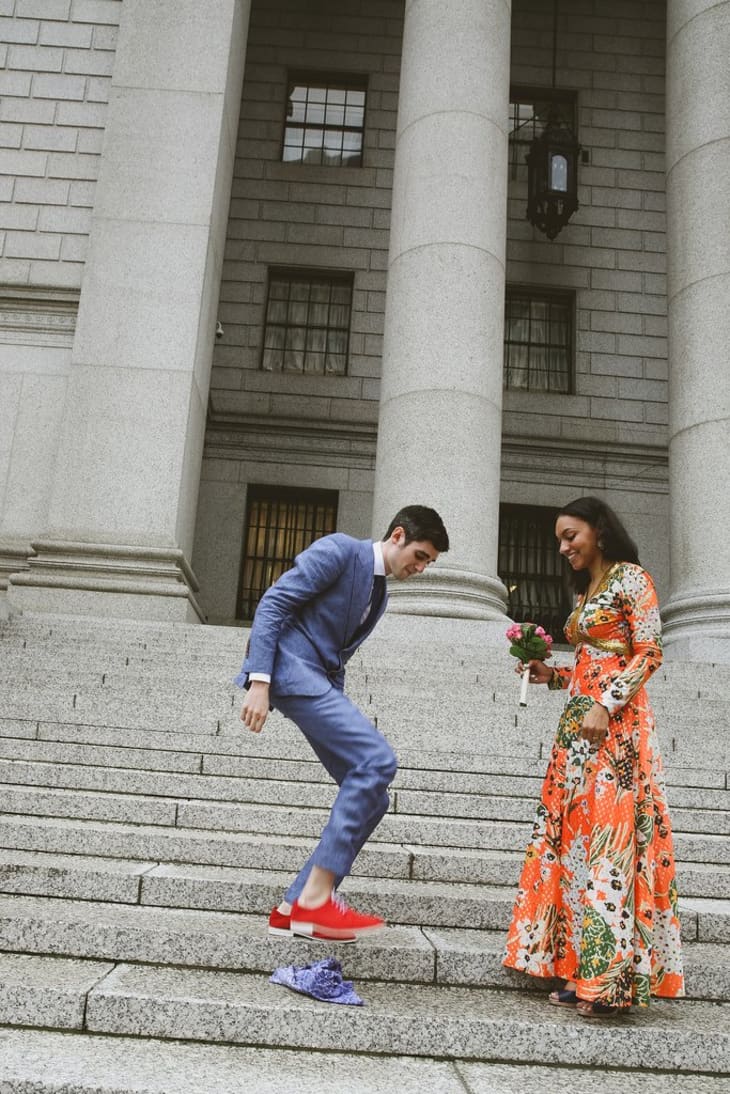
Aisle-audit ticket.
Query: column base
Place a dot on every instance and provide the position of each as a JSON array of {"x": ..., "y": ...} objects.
[
  {"x": 697, "y": 627},
  {"x": 457, "y": 594},
  {"x": 106, "y": 580},
  {"x": 13, "y": 558}
]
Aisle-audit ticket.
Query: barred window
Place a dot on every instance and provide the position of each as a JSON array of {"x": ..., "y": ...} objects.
[
  {"x": 280, "y": 522},
  {"x": 538, "y": 340},
  {"x": 307, "y": 324},
  {"x": 528, "y": 114},
  {"x": 325, "y": 120},
  {"x": 531, "y": 569}
]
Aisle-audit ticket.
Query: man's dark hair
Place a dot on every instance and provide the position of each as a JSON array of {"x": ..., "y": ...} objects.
[
  {"x": 614, "y": 541},
  {"x": 420, "y": 523}
]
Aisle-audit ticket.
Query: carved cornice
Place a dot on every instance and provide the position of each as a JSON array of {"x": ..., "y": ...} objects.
[
  {"x": 352, "y": 444},
  {"x": 287, "y": 440},
  {"x": 606, "y": 465},
  {"x": 38, "y": 317}
]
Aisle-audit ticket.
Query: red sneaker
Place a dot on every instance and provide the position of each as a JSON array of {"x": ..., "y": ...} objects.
[
  {"x": 281, "y": 925},
  {"x": 333, "y": 920},
  {"x": 278, "y": 923}
]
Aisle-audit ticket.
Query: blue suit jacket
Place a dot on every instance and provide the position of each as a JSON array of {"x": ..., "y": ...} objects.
[{"x": 303, "y": 627}]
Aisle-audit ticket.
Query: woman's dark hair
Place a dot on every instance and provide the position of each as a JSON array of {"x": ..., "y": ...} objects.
[
  {"x": 615, "y": 542},
  {"x": 420, "y": 523}
]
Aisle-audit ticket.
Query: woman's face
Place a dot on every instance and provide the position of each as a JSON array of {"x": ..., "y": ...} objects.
[{"x": 577, "y": 541}]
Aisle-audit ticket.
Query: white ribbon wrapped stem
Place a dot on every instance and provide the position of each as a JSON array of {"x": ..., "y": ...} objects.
[{"x": 525, "y": 682}]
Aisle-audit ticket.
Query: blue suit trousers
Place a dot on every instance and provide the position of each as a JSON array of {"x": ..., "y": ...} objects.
[{"x": 361, "y": 762}]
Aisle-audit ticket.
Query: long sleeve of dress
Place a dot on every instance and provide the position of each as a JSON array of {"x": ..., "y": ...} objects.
[
  {"x": 642, "y": 627},
  {"x": 560, "y": 678}
]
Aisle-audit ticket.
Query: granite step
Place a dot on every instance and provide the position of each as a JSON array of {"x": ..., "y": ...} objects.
[
  {"x": 61, "y": 743},
  {"x": 155, "y": 798},
  {"x": 450, "y": 860},
  {"x": 419, "y": 903},
  {"x": 281, "y": 752},
  {"x": 243, "y": 836},
  {"x": 215, "y": 940},
  {"x": 410, "y": 1019},
  {"x": 188, "y": 886},
  {"x": 86, "y": 693},
  {"x": 209, "y": 685},
  {"x": 483, "y": 741},
  {"x": 241, "y": 849},
  {"x": 44, "y": 991},
  {"x": 180, "y": 638},
  {"x": 240, "y": 942},
  {"x": 488, "y": 683},
  {"x": 44, "y": 1062}
]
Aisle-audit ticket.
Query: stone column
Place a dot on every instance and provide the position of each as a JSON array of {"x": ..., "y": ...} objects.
[
  {"x": 697, "y": 616},
  {"x": 125, "y": 490},
  {"x": 440, "y": 422}
]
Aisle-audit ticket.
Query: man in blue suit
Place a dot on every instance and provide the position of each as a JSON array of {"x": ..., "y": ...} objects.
[{"x": 306, "y": 628}]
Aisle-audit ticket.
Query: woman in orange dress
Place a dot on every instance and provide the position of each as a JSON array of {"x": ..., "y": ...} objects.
[{"x": 597, "y": 898}]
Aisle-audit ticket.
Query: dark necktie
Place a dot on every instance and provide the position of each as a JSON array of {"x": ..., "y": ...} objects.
[{"x": 376, "y": 602}]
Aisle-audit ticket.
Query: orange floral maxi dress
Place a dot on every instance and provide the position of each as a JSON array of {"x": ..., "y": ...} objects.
[{"x": 597, "y": 898}]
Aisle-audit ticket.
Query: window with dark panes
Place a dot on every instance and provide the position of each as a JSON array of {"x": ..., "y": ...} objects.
[
  {"x": 280, "y": 522},
  {"x": 528, "y": 114},
  {"x": 307, "y": 322},
  {"x": 538, "y": 340},
  {"x": 531, "y": 569},
  {"x": 325, "y": 119}
]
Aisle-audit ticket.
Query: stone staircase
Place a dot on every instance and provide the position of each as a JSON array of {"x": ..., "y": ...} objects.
[{"x": 145, "y": 836}]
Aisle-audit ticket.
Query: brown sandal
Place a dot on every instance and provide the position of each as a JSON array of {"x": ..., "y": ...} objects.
[{"x": 598, "y": 1010}]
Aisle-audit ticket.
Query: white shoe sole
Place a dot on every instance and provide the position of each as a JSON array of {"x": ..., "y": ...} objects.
[
  {"x": 282, "y": 931},
  {"x": 306, "y": 930}
]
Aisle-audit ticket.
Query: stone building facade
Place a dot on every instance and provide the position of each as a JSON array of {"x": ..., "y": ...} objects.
[{"x": 152, "y": 193}]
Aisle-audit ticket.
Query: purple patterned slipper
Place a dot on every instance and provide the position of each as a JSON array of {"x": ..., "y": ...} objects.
[{"x": 322, "y": 980}]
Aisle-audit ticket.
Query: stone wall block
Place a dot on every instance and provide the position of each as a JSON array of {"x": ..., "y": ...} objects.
[
  {"x": 432, "y": 203},
  {"x": 174, "y": 185},
  {"x": 698, "y": 195},
  {"x": 698, "y": 34},
  {"x": 449, "y": 37},
  {"x": 129, "y": 457},
  {"x": 160, "y": 45},
  {"x": 138, "y": 333}
]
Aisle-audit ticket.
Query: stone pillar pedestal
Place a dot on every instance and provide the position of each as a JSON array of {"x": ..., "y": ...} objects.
[
  {"x": 697, "y": 616},
  {"x": 123, "y": 501},
  {"x": 440, "y": 425}
]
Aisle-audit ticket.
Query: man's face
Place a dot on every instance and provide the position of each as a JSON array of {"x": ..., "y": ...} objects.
[{"x": 403, "y": 560}]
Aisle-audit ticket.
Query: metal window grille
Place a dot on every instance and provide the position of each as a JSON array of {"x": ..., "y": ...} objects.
[
  {"x": 528, "y": 113},
  {"x": 325, "y": 120},
  {"x": 280, "y": 522},
  {"x": 307, "y": 324},
  {"x": 538, "y": 341},
  {"x": 530, "y": 568}
]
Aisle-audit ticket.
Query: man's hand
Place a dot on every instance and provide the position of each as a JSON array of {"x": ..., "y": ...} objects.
[{"x": 256, "y": 706}]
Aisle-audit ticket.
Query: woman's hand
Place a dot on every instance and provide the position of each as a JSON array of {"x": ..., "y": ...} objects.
[
  {"x": 540, "y": 673},
  {"x": 595, "y": 725}
]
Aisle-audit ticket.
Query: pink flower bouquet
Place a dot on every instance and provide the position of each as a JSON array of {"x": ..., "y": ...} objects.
[{"x": 530, "y": 643}]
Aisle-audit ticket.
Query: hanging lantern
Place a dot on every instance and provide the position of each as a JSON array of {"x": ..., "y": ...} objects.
[{"x": 552, "y": 177}]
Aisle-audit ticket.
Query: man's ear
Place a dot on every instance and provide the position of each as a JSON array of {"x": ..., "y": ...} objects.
[{"x": 398, "y": 535}]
